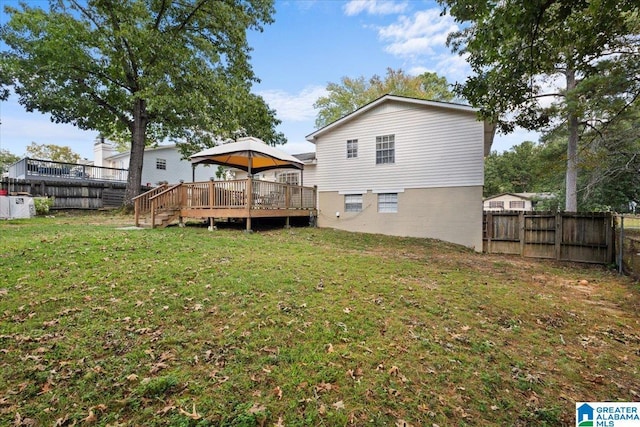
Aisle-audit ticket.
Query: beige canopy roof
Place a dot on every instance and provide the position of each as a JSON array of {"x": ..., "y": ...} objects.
[{"x": 249, "y": 154}]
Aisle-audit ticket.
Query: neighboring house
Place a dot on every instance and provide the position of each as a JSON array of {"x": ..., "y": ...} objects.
[
  {"x": 163, "y": 163},
  {"x": 513, "y": 201},
  {"x": 403, "y": 166},
  {"x": 291, "y": 176}
]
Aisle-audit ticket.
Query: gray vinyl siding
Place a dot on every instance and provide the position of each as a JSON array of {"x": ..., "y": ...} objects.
[{"x": 434, "y": 147}]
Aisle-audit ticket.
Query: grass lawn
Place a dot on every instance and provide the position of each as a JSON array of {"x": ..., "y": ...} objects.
[{"x": 299, "y": 327}]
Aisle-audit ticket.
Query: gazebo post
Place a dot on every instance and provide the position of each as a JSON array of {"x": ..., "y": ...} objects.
[{"x": 249, "y": 193}]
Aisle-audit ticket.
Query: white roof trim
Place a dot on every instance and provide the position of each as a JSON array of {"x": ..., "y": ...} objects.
[{"x": 438, "y": 104}]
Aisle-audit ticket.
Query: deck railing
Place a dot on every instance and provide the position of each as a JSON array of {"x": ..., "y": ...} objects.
[
  {"x": 234, "y": 197},
  {"x": 50, "y": 170},
  {"x": 243, "y": 193}
]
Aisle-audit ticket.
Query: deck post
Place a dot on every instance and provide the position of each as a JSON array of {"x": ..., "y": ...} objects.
[
  {"x": 249, "y": 201},
  {"x": 153, "y": 213},
  {"x": 136, "y": 210}
]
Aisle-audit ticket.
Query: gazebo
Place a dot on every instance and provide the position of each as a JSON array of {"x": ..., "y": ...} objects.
[{"x": 244, "y": 198}]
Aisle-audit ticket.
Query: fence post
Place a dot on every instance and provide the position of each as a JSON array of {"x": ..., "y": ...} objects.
[
  {"x": 521, "y": 232},
  {"x": 489, "y": 219},
  {"x": 621, "y": 246},
  {"x": 558, "y": 234}
]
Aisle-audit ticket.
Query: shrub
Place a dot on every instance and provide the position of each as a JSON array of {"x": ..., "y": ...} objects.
[{"x": 43, "y": 205}]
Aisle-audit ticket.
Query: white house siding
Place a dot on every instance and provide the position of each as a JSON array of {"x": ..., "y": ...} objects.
[
  {"x": 434, "y": 147},
  {"x": 438, "y": 172},
  {"x": 444, "y": 213},
  {"x": 506, "y": 200},
  {"x": 176, "y": 168}
]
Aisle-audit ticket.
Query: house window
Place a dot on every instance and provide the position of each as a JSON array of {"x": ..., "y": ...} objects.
[
  {"x": 291, "y": 178},
  {"x": 353, "y": 203},
  {"x": 352, "y": 148},
  {"x": 388, "y": 202},
  {"x": 494, "y": 204},
  {"x": 385, "y": 149},
  {"x": 161, "y": 164},
  {"x": 516, "y": 204}
]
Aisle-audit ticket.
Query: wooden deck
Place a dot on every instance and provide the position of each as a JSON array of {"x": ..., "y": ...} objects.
[{"x": 246, "y": 199}]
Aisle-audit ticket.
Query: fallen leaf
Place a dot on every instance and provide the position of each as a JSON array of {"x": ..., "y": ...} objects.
[
  {"x": 278, "y": 392},
  {"x": 402, "y": 423},
  {"x": 347, "y": 310},
  {"x": 394, "y": 371},
  {"x": 193, "y": 415},
  {"x": 280, "y": 422},
  {"x": 91, "y": 418},
  {"x": 338, "y": 405},
  {"x": 132, "y": 377},
  {"x": 166, "y": 409},
  {"x": 256, "y": 408},
  {"x": 329, "y": 348}
]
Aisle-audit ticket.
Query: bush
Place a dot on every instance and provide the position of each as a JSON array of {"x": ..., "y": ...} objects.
[{"x": 43, "y": 205}]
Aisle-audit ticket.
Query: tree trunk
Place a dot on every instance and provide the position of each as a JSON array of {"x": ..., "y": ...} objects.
[
  {"x": 138, "y": 144},
  {"x": 571, "y": 182}
]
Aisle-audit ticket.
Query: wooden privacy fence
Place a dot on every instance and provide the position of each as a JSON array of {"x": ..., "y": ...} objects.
[
  {"x": 580, "y": 237},
  {"x": 78, "y": 194},
  {"x": 628, "y": 244}
]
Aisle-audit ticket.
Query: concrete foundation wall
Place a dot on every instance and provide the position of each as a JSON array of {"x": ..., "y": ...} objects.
[{"x": 440, "y": 213}]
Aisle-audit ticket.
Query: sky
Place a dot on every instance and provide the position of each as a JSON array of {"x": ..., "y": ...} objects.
[{"x": 311, "y": 43}]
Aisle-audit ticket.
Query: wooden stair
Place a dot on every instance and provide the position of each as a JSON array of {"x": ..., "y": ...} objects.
[{"x": 162, "y": 220}]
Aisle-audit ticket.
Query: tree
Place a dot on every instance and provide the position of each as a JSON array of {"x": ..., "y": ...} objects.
[
  {"x": 519, "y": 49},
  {"x": 518, "y": 170},
  {"x": 52, "y": 152},
  {"x": 352, "y": 94},
  {"x": 141, "y": 70},
  {"x": 6, "y": 160}
]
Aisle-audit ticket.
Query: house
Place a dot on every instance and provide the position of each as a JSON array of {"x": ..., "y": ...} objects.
[
  {"x": 513, "y": 201},
  {"x": 162, "y": 163},
  {"x": 403, "y": 166}
]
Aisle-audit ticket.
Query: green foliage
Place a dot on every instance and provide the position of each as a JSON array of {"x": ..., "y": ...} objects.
[
  {"x": 523, "y": 52},
  {"x": 6, "y": 160},
  {"x": 52, "y": 152},
  {"x": 43, "y": 204},
  {"x": 351, "y": 94},
  {"x": 520, "y": 170},
  {"x": 140, "y": 70}
]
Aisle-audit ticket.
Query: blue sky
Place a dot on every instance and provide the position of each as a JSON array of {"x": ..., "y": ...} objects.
[{"x": 310, "y": 44}]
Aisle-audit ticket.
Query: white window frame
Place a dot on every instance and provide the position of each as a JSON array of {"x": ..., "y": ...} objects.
[
  {"x": 353, "y": 202},
  {"x": 385, "y": 149},
  {"x": 161, "y": 164},
  {"x": 387, "y": 202},
  {"x": 291, "y": 178},
  {"x": 352, "y": 148}
]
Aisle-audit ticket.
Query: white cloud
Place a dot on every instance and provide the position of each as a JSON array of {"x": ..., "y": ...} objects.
[
  {"x": 296, "y": 107},
  {"x": 419, "y": 34},
  {"x": 374, "y": 7},
  {"x": 454, "y": 67}
]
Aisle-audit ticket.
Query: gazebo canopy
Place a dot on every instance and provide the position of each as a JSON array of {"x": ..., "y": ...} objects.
[{"x": 248, "y": 154}]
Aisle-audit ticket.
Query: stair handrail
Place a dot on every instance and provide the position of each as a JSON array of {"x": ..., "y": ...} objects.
[
  {"x": 142, "y": 204},
  {"x": 155, "y": 198}
]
